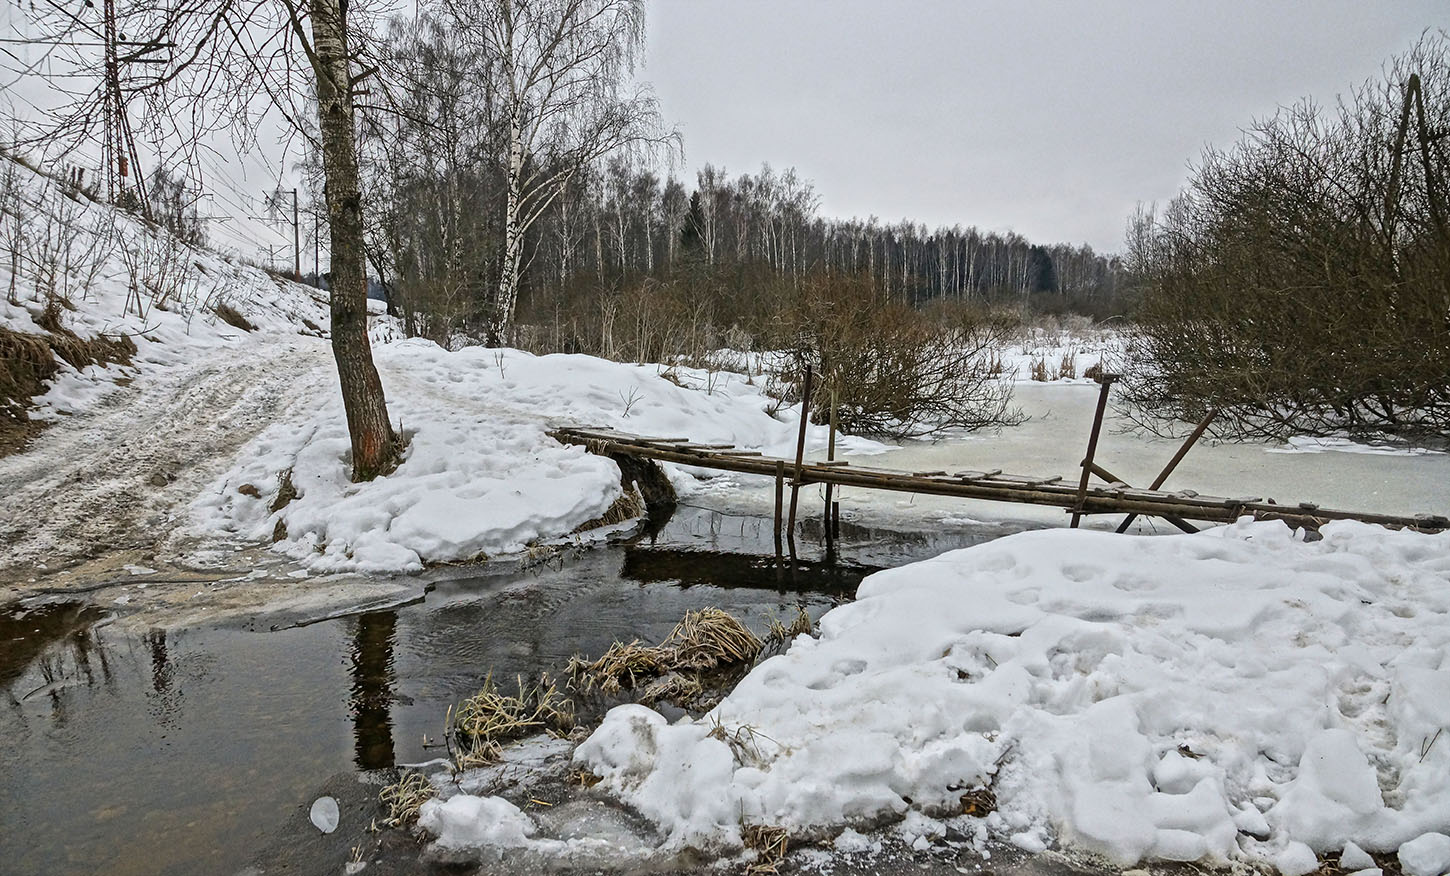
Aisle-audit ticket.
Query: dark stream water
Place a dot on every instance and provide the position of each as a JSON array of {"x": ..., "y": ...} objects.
[{"x": 183, "y": 751}]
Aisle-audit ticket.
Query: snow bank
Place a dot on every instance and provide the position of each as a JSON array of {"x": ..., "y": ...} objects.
[
  {"x": 96, "y": 257},
  {"x": 480, "y": 475},
  {"x": 1237, "y": 694},
  {"x": 1343, "y": 444}
]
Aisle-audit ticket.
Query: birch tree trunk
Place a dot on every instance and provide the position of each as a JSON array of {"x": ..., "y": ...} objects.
[
  {"x": 373, "y": 450},
  {"x": 513, "y": 242}
]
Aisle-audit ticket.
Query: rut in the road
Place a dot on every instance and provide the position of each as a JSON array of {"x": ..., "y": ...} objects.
[{"x": 119, "y": 477}]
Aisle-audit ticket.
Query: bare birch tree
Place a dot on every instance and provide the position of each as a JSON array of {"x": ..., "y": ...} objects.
[
  {"x": 220, "y": 65},
  {"x": 558, "y": 70}
]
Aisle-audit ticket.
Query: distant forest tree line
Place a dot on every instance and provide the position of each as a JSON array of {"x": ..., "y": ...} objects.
[
  {"x": 622, "y": 225},
  {"x": 605, "y": 222}
]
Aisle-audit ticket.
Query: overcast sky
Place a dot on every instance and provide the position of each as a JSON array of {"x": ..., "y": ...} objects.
[{"x": 1051, "y": 119}]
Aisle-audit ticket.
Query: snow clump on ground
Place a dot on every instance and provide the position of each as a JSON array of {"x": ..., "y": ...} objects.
[
  {"x": 480, "y": 475},
  {"x": 1237, "y": 695}
]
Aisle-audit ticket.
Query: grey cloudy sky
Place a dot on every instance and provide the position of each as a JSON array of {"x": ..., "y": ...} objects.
[{"x": 1052, "y": 119}]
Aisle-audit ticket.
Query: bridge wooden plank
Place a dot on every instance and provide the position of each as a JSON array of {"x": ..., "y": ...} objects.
[{"x": 1115, "y": 497}]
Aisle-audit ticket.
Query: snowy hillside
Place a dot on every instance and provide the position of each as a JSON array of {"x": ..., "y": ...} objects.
[
  {"x": 75, "y": 266},
  {"x": 480, "y": 475}
]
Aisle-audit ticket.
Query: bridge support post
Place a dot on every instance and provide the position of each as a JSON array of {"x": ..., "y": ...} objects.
[
  {"x": 800, "y": 454},
  {"x": 779, "y": 502},
  {"x": 1092, "y": 448}
]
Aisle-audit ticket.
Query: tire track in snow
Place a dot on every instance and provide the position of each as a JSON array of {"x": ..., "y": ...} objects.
[{"x": 119, "y": 476}]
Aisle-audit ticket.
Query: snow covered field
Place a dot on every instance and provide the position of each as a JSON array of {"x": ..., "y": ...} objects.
[
  {"x": 480, "y": 476},
  {"x": 1238, "y": 695}
]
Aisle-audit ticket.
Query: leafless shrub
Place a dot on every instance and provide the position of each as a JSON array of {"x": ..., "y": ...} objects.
[
  {"x": 54, "y": 241},
  {"x": 158, "y": 266},
  {"x": 1301, "y": 282},
  {"x": 896, "y": 371},
  {"x": 13, "y": 210}
]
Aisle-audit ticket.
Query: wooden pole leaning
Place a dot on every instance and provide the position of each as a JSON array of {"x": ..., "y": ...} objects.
[
  {"x": 1092, "y": 449},
  {"x": 800, "y": 454},
  {"x": 1173, "y": 463}
]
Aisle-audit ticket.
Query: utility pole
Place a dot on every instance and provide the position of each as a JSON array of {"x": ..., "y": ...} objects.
[
  {"x": 296, "y": 242},
  {"x": 119, "y": 150},
  {"x": 316, "y": 247},
  {"x": 109, "y": 151},
  {"x": 118, "y": 145},
  {"x": 273, "y": 205}
]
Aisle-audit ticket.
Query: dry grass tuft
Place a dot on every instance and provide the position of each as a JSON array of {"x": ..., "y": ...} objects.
[
  {"x": 1038, "y": 370},
  {"x": 744, "y": 741},
  {"x": 674, "y": 687},
  {"x": 232, "y": 317},
  {"x": 621, "y": 667},
  {"x": 780, "y": 633},
  {"x": 627, "y": 507},
  {"x": 770, "y": 845},
  {"x": 979, "y": 802},
  {"x": 1068, "y": 367},
  {"x": 488, "y": 718},
  {"x": 709, "y": 638},
  {"x": 704, "y": 640},
  {"x": 404, "y": 798},
  {"x": 27, "y": 360},
  {"x": 286, "y": 492}
]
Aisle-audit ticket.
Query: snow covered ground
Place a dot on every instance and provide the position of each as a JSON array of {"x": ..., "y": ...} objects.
[
  {"x": 1238, "y": 695},
  {"x": 132, "y": 444},
  {"x": 480, "y": 476}
]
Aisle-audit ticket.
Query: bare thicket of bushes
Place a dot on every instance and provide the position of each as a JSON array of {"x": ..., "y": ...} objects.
[
  {"x": 1301, "y": 283},
  {"x": 896, "y": 370},
  {"x": 61, "y": 257}
]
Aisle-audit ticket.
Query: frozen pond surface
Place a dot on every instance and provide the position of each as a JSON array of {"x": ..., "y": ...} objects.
[{"x": 187, "y": 751}]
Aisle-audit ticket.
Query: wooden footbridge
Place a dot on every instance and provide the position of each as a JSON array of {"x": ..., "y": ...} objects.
[{"x": 1111, "y": 495}]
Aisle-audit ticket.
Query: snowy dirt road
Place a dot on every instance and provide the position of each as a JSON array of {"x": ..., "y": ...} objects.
[{"x": 110, "y": 486}]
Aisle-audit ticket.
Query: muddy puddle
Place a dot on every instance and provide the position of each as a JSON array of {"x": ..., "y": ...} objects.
[{"x": 188, "y": 751}]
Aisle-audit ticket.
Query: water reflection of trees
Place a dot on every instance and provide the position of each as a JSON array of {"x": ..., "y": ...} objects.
[
  {"x": 49, "y": 652},
  {"x": 372, "y": 689},
  {"x": 28, "y": 633}
]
